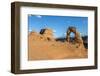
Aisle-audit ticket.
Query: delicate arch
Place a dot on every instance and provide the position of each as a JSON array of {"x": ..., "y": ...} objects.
[
  {"x": 77, "y": 38},
  {"x": 70, "y": 29}
]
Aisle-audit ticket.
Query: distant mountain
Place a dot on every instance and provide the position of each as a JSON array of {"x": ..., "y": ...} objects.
[
  {"x": 61, "y": 39},
  {"x": 85, "y": 41}
]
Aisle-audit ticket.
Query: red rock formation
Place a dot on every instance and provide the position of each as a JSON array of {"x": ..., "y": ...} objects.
[
  {"x": 47, "y": 33},
  {"x": 77, "y": 39}
]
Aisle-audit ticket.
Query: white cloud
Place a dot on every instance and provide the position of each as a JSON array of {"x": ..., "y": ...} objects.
[
  {"x": 65, "y": 33},
  {"x": 30, "y": 30},
  {"x": 54, "y": 31},
  {"x": 81, "y": 34},
  {"x": 38, "y": 16}
]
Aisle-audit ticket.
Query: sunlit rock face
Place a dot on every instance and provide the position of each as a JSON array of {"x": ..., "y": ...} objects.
[
  {"x": 43, "y": 46},
  {"x": 47, "y": 33},
  {"x": 44, "y": 35}
]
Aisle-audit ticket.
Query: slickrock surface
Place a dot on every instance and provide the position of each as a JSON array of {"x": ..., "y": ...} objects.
[{"x": 42, "y": 46}]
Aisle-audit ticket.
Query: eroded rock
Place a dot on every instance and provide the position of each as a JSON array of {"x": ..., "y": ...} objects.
[
  {"x": 47, "y": 33},
  {"x": 77, "y": 39},
  {"x": 44, "y": 35}
]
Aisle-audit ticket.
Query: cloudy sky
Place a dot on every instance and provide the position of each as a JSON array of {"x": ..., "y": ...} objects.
[{"x": 59, "y": 24}]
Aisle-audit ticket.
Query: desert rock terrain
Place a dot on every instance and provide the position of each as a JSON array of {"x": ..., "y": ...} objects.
[{"x": 43, "y": 46}]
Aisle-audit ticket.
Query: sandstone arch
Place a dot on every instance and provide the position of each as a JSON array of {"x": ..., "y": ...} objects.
[{"x": 77, "y": 39}]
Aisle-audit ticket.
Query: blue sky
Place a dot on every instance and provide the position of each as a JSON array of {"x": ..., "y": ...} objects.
[{"x": 59, "y": 24}]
